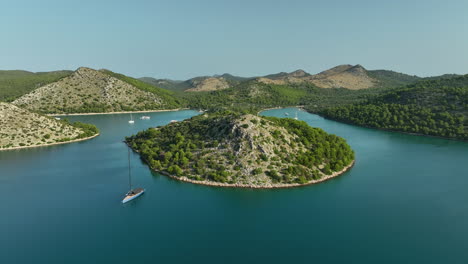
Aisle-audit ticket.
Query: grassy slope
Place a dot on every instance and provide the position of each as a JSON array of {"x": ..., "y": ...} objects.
[
  {"x": 14, "y": 84},
  {"x": 166, "y": 95}
]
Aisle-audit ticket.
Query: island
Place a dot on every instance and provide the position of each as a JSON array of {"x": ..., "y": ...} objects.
[{"x": 231, "y": 149}]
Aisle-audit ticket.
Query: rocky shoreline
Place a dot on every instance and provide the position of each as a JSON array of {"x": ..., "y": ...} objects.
[{"x": 254, "y": 186}]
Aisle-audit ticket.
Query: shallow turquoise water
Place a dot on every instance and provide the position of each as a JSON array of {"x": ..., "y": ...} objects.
[{"x": 405, "y": 201}]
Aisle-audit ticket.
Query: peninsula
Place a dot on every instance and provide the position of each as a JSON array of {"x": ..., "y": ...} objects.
[
  {"x": 242, "y": 150},
  {"x": 21, "y": 128}
]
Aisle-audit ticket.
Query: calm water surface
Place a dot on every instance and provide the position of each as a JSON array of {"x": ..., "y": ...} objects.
[{"x": 405, "y": 201}]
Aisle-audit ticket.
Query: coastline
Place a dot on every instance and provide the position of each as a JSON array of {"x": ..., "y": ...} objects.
[
  {"x": 281, "y": 107},
  {"x": 376, "y": 128},
  {"x": 124, "y": 112},
  {"x": 389, "y": 130},
  {"x": 254, "y": 186},
  {"x": 51, "y": 144}
]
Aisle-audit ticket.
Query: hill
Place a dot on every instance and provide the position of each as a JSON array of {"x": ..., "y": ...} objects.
[
  {"x": 429, "y": 107},
  {"x": 392, "y": 79},
  {"x": 197, "y": 84},
  {"x": 21, "y": 128},
  {"x": 171, "y": 85},
  {"x": 342, "y": 76},
  {"x": 228, "y": 149},
  {"x": 14, "y": 84},
  {"x": 87, "y": 90}
]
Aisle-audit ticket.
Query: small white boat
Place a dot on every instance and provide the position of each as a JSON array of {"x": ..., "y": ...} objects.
[
  {"x": 131, "y": 120},
  {"x": 296, "y": 116},
  {"x": 173, "y": 121},
  {"x": 57, "y": 118},
  {"x": 133, "y": 193},
  {"x": 286, "y": 114},
  {"x": 145, "y": 117}
]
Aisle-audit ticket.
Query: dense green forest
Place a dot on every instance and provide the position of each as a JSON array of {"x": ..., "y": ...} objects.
[
  {"x": 210, "y": 148},
  {"x": 88, "y": 129},
  {"x": 14, "y": 84},
  {"x": 430, "y": 107}
]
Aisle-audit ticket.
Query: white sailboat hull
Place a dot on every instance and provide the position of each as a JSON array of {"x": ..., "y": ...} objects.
[{"x": 128, "y": 198}]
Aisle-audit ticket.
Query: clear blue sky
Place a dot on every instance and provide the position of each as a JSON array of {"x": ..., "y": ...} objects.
[{"x": 180, "y": 38}]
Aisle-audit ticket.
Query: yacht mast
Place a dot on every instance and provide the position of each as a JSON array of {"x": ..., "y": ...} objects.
[{"x": 129, "y": 171}]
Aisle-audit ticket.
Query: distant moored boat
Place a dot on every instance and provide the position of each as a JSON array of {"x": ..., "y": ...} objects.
[
  {"x": 131, "y": 119},
  {"x": 145, "y": 117}
]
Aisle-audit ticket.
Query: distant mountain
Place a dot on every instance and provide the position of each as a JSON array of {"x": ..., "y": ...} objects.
[
  {"x": 352, "y": 77},
  {"x": 87, "y": 90},
  {"x": 343, "y": 76},
  {"x": 197, "y": 84},
  {"x": 16, "y": 83},
  {"x": 168, "y": 84},
  {"x": 22, "y": 128}
]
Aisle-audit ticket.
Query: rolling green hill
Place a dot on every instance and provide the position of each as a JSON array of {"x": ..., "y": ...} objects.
[
  {"x": 391, "y": 79},
  {"x": 429, "y": 107},
  {"x": 15, "y": 83}
]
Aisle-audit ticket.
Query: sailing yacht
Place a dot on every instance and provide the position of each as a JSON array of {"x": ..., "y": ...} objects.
[
  {"x": 131, "y": 119},
  {"x": 133, "y": 193},
  {"x": 296, "y": 116}
]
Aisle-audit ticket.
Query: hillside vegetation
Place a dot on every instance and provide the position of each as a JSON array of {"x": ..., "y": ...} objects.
[
  {"x": 243, "y": 151},
  {"x": 431, "y": 107},
  {"x": 21, "y": 128},
  {"x": 87, "y": 90},
  {"x": 14, "y": 84}
]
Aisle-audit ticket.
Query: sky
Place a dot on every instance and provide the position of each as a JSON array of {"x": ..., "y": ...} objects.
[{"x": 180, "y": 39}]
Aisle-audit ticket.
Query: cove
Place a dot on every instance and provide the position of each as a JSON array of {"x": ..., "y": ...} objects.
[{"x": 404, "y": 201}]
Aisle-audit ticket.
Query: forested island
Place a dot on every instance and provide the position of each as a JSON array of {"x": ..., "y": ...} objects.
[{"x": 243, "y": 150}]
